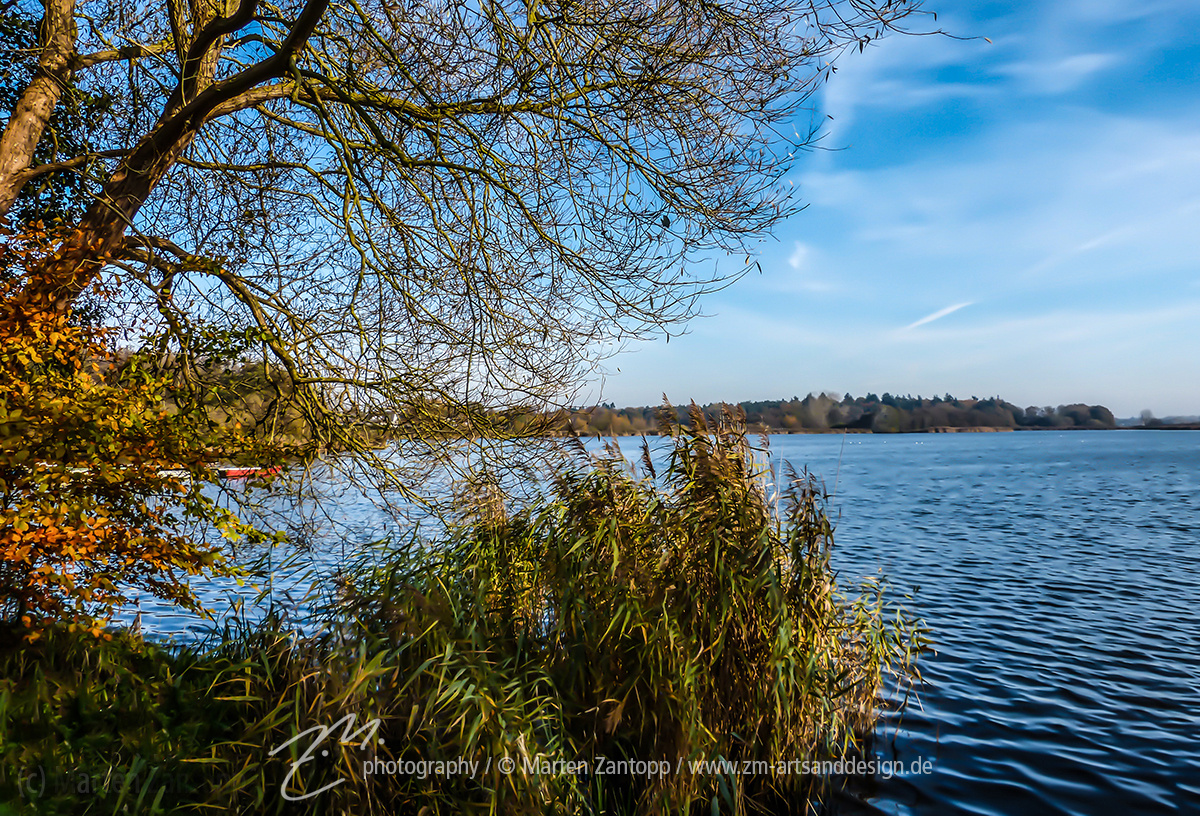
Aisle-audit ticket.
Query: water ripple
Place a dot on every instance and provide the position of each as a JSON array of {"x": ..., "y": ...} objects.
[{"x": 1060, "y": 573}]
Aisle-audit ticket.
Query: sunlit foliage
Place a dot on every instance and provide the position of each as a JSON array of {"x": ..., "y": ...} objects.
[{"x": 102, "y": 490}]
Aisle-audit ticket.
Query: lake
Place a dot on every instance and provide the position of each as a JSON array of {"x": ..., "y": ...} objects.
[{"x": 1060, "y": 575}]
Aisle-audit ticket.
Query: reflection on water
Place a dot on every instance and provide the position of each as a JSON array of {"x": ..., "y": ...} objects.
[{"x": 1059, "y": 572}]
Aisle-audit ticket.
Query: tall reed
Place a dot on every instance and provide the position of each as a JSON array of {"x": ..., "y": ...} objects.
[{"x": 679, "y": 616}]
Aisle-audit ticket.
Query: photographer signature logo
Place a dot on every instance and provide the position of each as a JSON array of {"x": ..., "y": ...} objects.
[
  {"x": 32, "y": 784},
  {"x": 317, "y": 736}
]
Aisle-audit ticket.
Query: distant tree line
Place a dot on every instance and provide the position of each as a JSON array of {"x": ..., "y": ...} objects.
[
  {"x": 250, "y": 394},
  {"x": 886, "y": 413}
]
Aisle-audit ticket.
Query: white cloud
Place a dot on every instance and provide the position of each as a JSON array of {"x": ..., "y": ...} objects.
[
  {"x": 1057, "y": 75},
  {"x": 1071, "y": 14},
  {"x": 799, "y": 255},
  {"x": 799, "y": 278},
  {"x": 1098, "y": 197},
  {"x": 898, "y": 75}
]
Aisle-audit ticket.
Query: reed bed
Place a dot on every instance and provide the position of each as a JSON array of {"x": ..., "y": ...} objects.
[{"x": 677, "y": 616}]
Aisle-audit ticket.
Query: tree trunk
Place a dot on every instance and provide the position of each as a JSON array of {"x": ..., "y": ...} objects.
[
  {"x": 59, "y": 280},
  {"x": 63, "y": 276},
  {"x": 36, "y": 105}
]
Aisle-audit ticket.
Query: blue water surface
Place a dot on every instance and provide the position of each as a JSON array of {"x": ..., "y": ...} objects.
[{"x": 1060, "y": 574}]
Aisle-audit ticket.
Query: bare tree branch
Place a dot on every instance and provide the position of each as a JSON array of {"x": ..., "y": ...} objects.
[
  {"x": 431, "y": 208},
  {"x": 128, "y": 52}
]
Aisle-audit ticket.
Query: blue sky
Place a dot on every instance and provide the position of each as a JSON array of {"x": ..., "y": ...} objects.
[{"x": 1017, "y": 218}]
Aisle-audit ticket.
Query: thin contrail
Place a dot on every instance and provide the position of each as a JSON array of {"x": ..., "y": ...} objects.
[{"x": 939, "y": 314}]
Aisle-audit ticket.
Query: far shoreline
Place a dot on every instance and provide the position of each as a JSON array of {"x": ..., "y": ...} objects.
[{"x": 1189, "y": 426}]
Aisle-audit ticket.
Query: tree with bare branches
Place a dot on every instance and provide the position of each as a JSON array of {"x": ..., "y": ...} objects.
[{"x": 418, "y": 209}]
